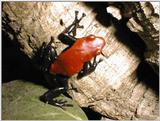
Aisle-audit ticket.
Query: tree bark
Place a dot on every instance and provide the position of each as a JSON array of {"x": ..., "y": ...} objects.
[
  {"x": 145, "y": 21},
  {"x": 117, "y": 89}
]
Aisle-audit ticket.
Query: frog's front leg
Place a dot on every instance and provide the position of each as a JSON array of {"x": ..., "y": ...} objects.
[
  {"x": 88, "y": 68},
  {"x": 68, "y": 35},
  {"x": 47, "y": 55}
]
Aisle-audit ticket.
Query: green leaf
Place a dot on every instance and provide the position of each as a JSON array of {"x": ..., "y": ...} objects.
[{"x": 20, "y": 100}]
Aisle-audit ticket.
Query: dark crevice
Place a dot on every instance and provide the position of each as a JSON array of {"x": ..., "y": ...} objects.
[
  {"x": 92, "y": 115},
  {"x": 147, "y": 76}
]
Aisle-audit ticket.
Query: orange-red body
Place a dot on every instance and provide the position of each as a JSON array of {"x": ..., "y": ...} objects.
[{"x": 72, "y": 60}]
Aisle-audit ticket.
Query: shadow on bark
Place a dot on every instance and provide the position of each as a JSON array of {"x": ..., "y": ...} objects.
[
  {"x": 100, "y": 9},
  {"x": 16, "y": 65},
  {"x": 123, "y": 33},
  {"x": 147, "y": 76},
  {"x": 131, "y": 39}
]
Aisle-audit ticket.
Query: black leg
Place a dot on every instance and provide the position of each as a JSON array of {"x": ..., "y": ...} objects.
[
  {"x": 68, "y": 35},
  {"x": 88, "y": 68},
  {"x": 73, "y": 27},
  {"x": 47, "y": 56},
  {"x": 50, "y": 95}
]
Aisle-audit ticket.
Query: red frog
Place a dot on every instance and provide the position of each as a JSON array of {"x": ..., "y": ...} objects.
[
  {"x": 75, "y": 59},
  {"x": 72, "y": 60}
]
